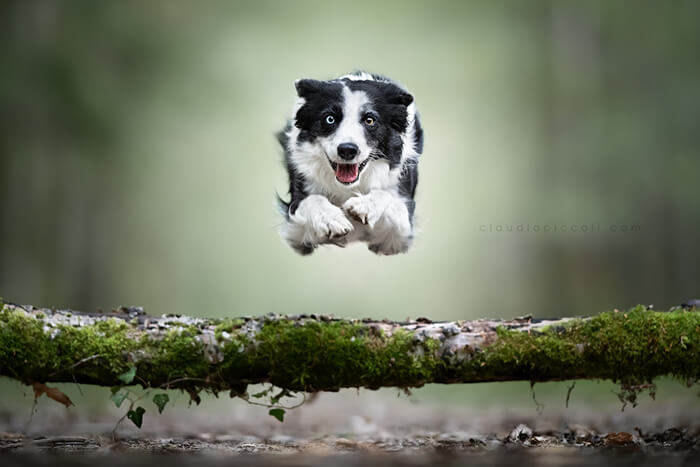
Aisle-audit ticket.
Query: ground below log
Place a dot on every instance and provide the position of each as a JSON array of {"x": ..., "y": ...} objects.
[
  {"x": 371, "y": 429},
  {"x": 579, "y": 446}
]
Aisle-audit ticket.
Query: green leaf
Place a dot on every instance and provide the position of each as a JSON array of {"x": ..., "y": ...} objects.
[
  {"x": 160, "y": 400},
  {"x": 260, "y": 394},
  {"x": 276, "y": 398},
  {"x": 129, "y": 375},
  {"x": 115, "y": 389},
  {"x": 118, "y": 398},
  {"x": 136, "y": 416},
  {"x": 278, "y": 414}
]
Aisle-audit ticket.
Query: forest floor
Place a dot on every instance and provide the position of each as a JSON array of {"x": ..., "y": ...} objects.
[{"x": 343, "y": 429}]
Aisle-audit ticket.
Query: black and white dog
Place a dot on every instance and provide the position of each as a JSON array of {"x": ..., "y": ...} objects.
[{"x": 351, "y": 150}]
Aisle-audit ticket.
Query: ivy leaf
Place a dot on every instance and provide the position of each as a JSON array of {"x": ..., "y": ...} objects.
[
  {"x": 118, "y": 398},
  {"x": 160, "y": 400},
  {"x": 129, "y": 375},
  {"x": 276, "y": 398},
  {"x": 136, "y": 416},
  {"x": 278, "y": 414}
]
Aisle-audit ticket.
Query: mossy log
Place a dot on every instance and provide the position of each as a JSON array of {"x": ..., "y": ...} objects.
[{"x": 321, "y": 353}]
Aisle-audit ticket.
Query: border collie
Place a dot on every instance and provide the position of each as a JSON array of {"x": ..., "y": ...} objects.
[{"x": 351, "y": 151}]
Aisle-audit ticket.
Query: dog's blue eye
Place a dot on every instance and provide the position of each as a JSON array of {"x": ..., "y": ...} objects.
[{"x": 330, "y": 119}]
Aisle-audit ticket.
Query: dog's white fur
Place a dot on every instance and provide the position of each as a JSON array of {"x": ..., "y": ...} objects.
[{"x": 370, "y": 209}]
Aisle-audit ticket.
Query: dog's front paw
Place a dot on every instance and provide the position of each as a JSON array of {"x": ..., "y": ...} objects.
[
  {"x": 390, "y": 231},
  {"x": 316, "y": 221},
  {"x": 365, "y": 209},
  {"x": 391, "y": 246},
  {"x": 329, "y": 224}
]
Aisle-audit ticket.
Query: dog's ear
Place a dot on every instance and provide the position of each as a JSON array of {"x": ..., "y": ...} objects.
[
  {"x": 306, "y": 87},
  {"x": 397, "y": 111},
  {"x": 396, "y": 95},
  {"x": 401, "y": 98}
]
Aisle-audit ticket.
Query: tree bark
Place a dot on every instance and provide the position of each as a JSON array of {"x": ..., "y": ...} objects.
[{"x": 322, "y": 353}]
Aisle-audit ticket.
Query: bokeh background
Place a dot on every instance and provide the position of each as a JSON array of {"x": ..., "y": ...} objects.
[{"x": 138, "y": 164}]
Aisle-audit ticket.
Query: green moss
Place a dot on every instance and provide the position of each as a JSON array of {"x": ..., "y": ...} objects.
[
  {"x": 227, "y": 325},
  {"x": 31, "y": 353},
  {"x": 632, "y": 347},
  {"x": 331, "y": 355},
  {"x": 178, "y": 355}
]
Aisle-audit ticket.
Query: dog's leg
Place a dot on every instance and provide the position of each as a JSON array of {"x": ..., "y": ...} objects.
[
  {"x": 387, "y": 218},
  {"x": 315, "y": 221}
]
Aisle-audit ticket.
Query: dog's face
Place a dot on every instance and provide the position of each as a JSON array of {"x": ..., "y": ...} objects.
[{"x": 353, "y": 123}]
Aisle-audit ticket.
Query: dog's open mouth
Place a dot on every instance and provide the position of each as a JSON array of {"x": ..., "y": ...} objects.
[{"x": 348, "y": 173}]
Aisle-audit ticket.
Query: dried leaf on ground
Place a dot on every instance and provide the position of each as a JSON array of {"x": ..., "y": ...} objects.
[{"x": 52, "y": 393}]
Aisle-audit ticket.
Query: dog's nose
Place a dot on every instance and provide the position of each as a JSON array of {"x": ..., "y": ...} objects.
[{"x": 348, "y": 150}]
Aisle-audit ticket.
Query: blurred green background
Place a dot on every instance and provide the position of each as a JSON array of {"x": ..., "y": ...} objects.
[{"x": 138, "y": 164}]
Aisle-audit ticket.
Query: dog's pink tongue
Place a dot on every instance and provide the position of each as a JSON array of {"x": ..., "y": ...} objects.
[{"x": 346, "y": 173}]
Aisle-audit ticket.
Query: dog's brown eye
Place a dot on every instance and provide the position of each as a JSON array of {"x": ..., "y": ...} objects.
[{"x": 369, "y": 121}]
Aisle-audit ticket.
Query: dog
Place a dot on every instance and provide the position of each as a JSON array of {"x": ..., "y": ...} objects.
[{"x": 351, "y": 151}]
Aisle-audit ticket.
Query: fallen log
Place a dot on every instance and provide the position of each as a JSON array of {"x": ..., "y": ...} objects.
[{"x": 321, "y": 353}]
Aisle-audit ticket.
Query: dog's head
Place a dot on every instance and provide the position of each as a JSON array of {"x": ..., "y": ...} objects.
[{"x": 353, "y": 122}]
